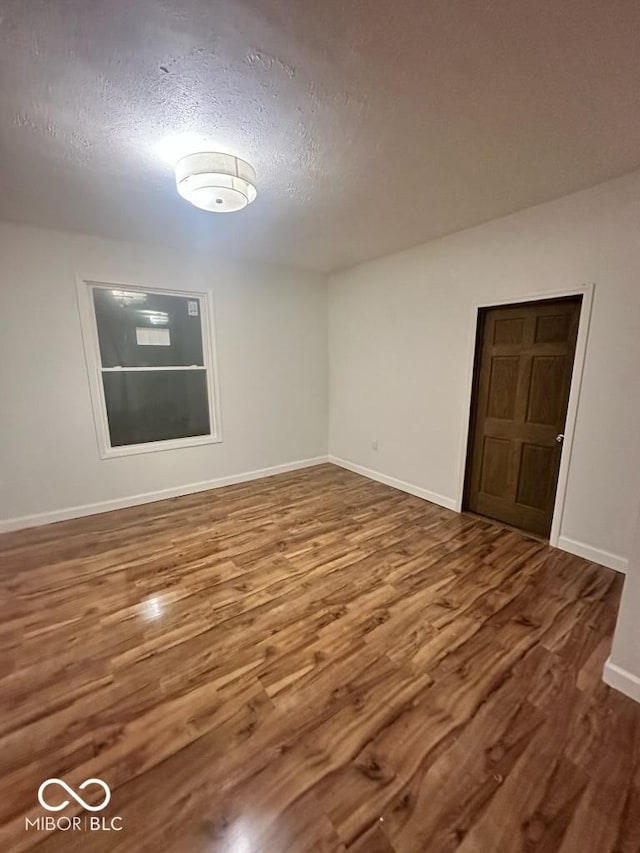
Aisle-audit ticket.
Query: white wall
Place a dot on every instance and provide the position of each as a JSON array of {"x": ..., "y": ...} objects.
[
  {"x": 400, "y": 342},
  {"x": 399, "y": 338},
  {"x": 271, "y": 328},
  {"x": 622, "y": 670}
]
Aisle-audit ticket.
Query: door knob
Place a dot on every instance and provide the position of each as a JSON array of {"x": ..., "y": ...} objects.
[{"x": 560, "y": 437}]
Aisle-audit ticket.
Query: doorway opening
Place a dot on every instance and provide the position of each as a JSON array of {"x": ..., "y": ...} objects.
[{"x": 523, "y": 367}]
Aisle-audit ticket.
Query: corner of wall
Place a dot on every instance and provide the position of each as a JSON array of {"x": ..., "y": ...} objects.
[{"x": 622, "y": 680}]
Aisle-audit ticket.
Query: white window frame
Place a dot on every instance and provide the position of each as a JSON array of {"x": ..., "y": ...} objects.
[{"x": 93, "y": 361}]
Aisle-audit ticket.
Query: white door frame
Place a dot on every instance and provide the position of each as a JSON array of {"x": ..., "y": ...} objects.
[{"x": 587, "y": 292}]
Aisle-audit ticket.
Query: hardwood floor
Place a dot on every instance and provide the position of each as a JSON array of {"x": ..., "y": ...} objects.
[{"x": 312, "y": 662}]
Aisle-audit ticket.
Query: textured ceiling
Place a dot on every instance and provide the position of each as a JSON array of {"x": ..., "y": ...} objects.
[{"x": 373, "y": 126}]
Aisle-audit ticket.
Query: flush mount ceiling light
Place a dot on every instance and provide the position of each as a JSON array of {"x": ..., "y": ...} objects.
[{"x": 220, "y": 183}]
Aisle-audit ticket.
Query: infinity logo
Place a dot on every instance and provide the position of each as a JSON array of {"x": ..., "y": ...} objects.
[{"x": 72, "y": 793}]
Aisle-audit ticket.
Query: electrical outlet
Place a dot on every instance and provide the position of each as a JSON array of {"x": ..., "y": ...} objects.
[{"x": 374, "y": 445}]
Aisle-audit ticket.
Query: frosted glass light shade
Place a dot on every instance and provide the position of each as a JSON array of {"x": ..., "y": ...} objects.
[{"x": 220, "y": 183}]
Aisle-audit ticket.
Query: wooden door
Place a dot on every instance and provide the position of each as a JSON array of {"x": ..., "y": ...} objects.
[{"x": 524, "y": 362}]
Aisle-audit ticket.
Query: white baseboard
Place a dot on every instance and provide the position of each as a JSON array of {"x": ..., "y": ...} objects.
[
  {"x": 621, "y": 679},
  {"x": 418, "y": 491},
  {"x": 595, "y": 555},
  {"x": 580, "y": 549},
  {"x": 148, "y": 497}
]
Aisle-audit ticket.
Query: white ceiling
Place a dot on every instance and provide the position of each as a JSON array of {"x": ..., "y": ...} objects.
[{"x": 372, "y": 125}]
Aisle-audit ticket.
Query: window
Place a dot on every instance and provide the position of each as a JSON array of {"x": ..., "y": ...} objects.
[{"x": 151, "y": 367}]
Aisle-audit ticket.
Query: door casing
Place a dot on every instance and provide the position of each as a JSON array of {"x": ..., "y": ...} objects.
[{"x": 587, "y": 292}]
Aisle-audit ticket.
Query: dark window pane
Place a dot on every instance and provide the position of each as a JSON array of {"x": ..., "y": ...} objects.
[
  {"x": 156, "y": 405},
  {"x": 138, "y": 329}
]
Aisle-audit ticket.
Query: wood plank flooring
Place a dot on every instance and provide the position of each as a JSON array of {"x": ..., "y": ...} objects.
[{"x": 312, "y": 662}]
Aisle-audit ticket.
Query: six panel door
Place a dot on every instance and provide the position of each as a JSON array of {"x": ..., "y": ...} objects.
[{"x": 522, "y": 378}]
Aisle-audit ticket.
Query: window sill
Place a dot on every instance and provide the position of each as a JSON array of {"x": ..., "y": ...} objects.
[{"x": 158, "y": 446}]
